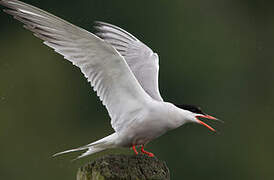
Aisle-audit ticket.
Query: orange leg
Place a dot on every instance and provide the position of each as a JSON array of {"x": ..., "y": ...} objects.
[
  {"x": 134, "y": 149},
  {"x": 145, "y": 152}
]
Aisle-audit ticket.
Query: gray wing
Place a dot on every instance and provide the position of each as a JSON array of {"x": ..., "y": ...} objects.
[
  {"x": 142, "y": 61},
  {"x": 102, "y": 65}
]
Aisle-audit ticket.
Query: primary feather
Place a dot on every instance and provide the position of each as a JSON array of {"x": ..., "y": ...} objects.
[
  {"x": 102, "y": 65},
  {"x": 143, "y": 62}
]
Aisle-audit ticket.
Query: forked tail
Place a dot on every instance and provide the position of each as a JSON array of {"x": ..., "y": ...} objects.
[{"x": 97, "y": 146}]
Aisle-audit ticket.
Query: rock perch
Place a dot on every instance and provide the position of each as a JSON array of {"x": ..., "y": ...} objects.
[{"x": 123, "y": 167}]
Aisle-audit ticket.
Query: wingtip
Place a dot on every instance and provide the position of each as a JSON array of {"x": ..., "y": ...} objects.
[
  {"x": 6, "y": 2},
  {"x": 96, "y": 22},
  {"x": 100, "y": 24},
  {"x": 97, "y": 25},
  {"x": 9, "y": 11},
  {"x": 2, "y": 2}
]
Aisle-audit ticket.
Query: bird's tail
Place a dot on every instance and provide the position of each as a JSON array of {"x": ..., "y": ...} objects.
[{"x": 97, "y": 146}]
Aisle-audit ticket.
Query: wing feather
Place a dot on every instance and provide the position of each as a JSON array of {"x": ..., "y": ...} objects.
[
  {"x": 142, "y": 61},
  {"x": 102, "y": 65}
]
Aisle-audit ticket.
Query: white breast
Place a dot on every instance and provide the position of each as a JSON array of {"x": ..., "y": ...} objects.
[{"x": 151, "y": 122}]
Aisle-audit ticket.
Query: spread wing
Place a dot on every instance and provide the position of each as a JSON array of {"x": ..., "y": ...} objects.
[
  {"x": 142, "y": 61},
  {"x": 102, "y": 65}
]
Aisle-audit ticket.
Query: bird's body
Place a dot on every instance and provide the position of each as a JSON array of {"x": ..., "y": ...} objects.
[
  {"x": 149, "y": 122},
  {"x": 120, "y": 68}
]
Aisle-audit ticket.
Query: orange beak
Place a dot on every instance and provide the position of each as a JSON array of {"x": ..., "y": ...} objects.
[{"x": 204, "y": 124}]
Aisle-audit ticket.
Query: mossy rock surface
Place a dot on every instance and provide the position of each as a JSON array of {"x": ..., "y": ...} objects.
[{"x": 124, "y": 167}]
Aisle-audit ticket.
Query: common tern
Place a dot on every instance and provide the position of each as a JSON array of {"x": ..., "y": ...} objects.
[{"x": 121, "y": 69}]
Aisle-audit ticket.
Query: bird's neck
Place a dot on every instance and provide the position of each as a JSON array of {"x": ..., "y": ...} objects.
[{"x": 178, "y": 117}]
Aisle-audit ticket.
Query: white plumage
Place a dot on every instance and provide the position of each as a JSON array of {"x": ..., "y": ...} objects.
[
  {"x": 120, "y": 68},
  {"x": 143, "y": 62}
]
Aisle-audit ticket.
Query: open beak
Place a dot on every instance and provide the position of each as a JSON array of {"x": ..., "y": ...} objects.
[{"x": 204, "y": 124}]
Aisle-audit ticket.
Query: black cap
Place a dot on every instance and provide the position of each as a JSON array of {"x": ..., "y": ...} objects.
[{"x": 191, "y": 108}]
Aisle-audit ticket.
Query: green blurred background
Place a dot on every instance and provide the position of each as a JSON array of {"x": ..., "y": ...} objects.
[{"x": 217, "y": 54}]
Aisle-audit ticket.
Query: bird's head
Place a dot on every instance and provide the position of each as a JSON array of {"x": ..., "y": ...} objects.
[{"x": 195, "y": 113}]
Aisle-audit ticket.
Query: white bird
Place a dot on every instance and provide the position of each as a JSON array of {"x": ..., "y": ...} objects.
[{"x": 121, "y": 69}]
